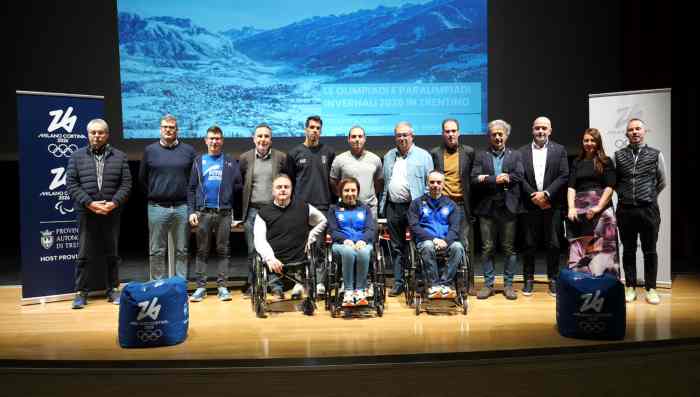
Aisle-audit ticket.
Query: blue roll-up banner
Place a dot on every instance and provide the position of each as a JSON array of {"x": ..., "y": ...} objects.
[{"x": 51, "y": 127}]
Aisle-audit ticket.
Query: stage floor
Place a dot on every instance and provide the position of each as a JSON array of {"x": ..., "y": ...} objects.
[{"x": 53, "y": 332}]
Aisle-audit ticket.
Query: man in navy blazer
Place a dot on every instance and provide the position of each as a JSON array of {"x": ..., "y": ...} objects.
[
  {"x": 496, "y": 177},
  {"x": 546, "y": 175}
]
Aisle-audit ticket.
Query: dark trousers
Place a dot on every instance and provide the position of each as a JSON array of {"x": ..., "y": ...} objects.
[
  {"x": 99, "y": 236},
  {"x": 397, "y": 222},
  {"x": 541, "y": 226},
  {"x": 643, "y": 222},
  {"x": 213, "y": 226}
]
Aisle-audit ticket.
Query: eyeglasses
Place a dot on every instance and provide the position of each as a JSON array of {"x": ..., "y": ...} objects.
[{"x": 314, "y": 127}]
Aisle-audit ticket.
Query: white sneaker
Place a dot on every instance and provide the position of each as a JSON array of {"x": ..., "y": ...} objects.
[
  {"x": 320, "y": 289},
  {"x": 297, "y": 291},
  {"x": 434, "y": 292},
  {"x": 630, "y": 294},
  {"x": 348, "y": 299},
  {"x": 653, "y": 297},
  {"x": 447, "y": 292}
]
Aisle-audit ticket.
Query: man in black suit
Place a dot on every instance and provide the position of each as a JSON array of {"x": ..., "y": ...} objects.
[
  {"x": 546, "y": 175},
  {"x": 496, "y": 176},
  {"x": 456, "y": 161}
]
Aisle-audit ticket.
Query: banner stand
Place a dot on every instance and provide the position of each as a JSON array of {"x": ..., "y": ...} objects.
[
  {"x": 609, "y": 113},
  {"x": 51, "y": 126}
]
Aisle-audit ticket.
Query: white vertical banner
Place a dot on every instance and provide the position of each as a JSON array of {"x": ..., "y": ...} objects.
[{"x": 609, "y": 113}]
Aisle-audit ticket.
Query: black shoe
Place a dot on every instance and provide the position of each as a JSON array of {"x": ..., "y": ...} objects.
[
  {"x": 396, "y": 290},
  {"x": 528, "y": 287},
  {"x": 113, "y": 296},
  {"x": 80, "y": 301},
  {"x": 553, "y": 287},
  {"x": 485, "y": 292},
  {"x": 509, "y": 293}
]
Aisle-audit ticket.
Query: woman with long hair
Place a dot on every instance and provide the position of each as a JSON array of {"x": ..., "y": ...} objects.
[{"x": 591, "y": 226}]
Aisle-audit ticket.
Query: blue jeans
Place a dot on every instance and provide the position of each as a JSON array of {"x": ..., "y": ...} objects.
[
  {"x": 492, "y": 227},
  {"x": 455, "y": 254},
  {"x": 161, "y": 221},
  {"x": 248, "y": 226},
  {"x": 355, "y": 265}
]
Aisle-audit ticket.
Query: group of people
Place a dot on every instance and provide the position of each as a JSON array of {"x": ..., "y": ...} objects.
[{"x": 437, "y": 195}]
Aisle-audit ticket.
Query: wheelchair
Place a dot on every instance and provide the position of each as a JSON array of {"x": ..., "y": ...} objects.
[
  {"x": 306, "y": 269},
  {"x": 417, "y": 283},
  {"x": 334, "y": 280}
]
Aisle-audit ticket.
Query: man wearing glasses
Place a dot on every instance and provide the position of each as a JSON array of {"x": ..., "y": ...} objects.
[
  {"x": 165, "y": 176},
  {"x": 406, "y": 169},
  {"x": 309, "y": 166}
]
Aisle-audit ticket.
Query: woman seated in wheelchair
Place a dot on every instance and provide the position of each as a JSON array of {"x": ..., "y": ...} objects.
[
  {"x": 352, "y": 230},
  {"x": 434, "y": 220}
]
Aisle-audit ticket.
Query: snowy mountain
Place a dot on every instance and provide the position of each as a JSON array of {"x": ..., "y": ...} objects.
[
  {"x": 170, "y": 41},
  {"x": 383, "y": 44}
]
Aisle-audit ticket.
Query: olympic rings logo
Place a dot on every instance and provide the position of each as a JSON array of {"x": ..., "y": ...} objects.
[
  {"x": 592, "y": 327},
  {"x": 149, "y": 336},
  {"x": 62, "y": 150}
]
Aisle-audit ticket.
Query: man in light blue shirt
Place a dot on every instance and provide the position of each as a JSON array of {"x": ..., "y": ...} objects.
[{"x": 406, "y": 169}]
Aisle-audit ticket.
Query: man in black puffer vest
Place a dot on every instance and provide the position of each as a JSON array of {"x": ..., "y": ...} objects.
[
  {"x": 281, "y": 232},
  {"x": 641, "y": 176},
  {"x": 99, "y": 181}
]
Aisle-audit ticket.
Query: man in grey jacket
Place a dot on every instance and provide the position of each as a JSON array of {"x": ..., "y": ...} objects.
[{"x": 259, "y": 167}]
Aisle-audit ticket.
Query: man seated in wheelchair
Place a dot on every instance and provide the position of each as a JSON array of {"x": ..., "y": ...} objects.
[
  {"x": 352, "y": 229},
  {"x": 434, "y": 221},
  {"x": 280, "y": 237}
]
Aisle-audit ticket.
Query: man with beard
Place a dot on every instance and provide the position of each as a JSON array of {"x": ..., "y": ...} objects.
[{"x": 496, "y": 175}]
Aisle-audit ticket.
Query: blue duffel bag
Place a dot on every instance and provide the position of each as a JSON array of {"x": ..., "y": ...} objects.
[
  {"x": 155, "y": 313},
  {"x": 590, "y": 307}
]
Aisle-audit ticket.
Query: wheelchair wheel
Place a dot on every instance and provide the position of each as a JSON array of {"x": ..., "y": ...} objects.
[
  {"x": 410, "y": 275},
  {"x": 380, "y": 309},
  {"x": 259, "y": 292},
  {"x": 418, "y": 302},
  {"x": 260, "y": 309}
]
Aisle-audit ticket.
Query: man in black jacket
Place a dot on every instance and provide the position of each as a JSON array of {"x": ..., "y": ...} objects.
[
  {"x": 546, "y": 175},
  {"x": 496, "y": 174},
  {"x": 641, "y": 176},
  {"x": 99, "y": 181},
  {"x": 456, "y": 161}
]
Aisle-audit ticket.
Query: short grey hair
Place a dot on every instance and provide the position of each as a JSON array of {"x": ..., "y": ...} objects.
[
  {"x": 97, "y": 124},
  {"x": 498, "y": 123},
  {"x": 406, "y": 123},
  {"x": 636, "y": 119},
  {"x": 168, "y": 117}
]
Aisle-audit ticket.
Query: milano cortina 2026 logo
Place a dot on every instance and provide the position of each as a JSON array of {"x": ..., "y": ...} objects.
[{"x": 61, "y": 145}]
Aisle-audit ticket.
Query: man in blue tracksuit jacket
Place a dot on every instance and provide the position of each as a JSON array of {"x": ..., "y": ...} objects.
[
  {"x": 435, "y": 221},
  {"x": 215, "y": 181}
]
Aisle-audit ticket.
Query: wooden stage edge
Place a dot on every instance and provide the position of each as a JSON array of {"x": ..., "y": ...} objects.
[{"x": 228, "y": 335}]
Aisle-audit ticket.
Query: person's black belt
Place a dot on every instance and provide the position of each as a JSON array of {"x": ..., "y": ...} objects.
[
  {"x": 215, "y": 210},
  {"x": 168, "y": 204}
]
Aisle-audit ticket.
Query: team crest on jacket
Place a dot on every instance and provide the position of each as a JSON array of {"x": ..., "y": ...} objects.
[
  {"x": 445, "y": 211},
  {"x": 361, "y": 215}
]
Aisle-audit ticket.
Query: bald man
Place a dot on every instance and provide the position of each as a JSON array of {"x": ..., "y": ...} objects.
[{"x": 546, "y": 169}]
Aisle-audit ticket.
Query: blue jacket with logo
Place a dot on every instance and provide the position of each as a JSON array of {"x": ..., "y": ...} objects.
[
  {"x": 431, "y": 218},
  {"x": 231, "y": 185},
  {"x": 351, "y": 223}
]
